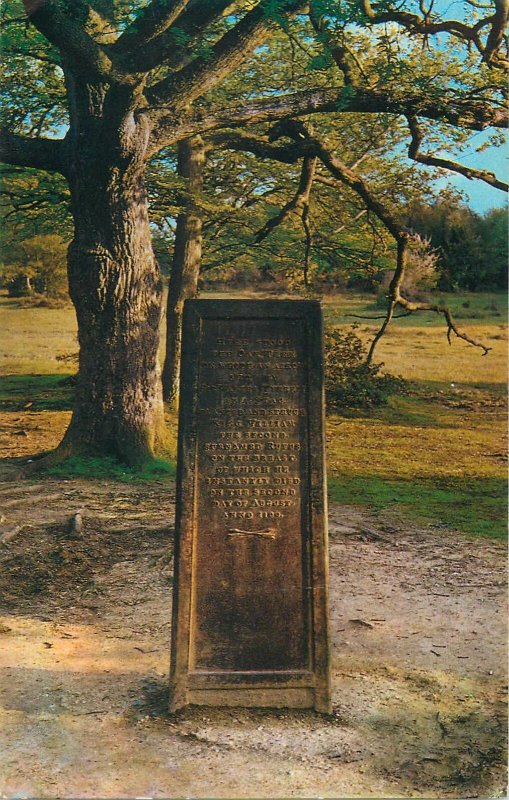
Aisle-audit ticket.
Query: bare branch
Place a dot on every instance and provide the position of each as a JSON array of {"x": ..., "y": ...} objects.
[
  {"x": 48, "y": 154},
  {"x": 466, "y": 113},
  {"x": 392, "y": 296},
  {"x": 452, "y": 326},
  {"x": 395, "y": 299},
  {"x": 306, "y": 224},
  {"x": 378, "y": 316},
  {"x": 355, "y": 219},
  {"x": 426, "y": 26},
  {"x": 496, "y": 34},
  {"x": 354, "y": 181},
  {"x": 445, "y": 163},
  {"x": 297, "y": 203},
  {"x": 258, "y": 145},
  {"x": 399, "y": 232}
]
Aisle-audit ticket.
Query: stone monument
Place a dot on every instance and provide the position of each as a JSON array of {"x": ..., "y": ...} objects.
[{"x": 250, "y": 618}]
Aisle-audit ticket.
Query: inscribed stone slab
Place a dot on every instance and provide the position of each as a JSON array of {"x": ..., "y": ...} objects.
[{"x": 250, "y": 592}]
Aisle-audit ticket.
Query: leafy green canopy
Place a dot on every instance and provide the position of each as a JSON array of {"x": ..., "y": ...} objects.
[{"x": 378, "y": 82}]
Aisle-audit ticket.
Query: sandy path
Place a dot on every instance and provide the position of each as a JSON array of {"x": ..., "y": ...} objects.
[{"x": 418, "y": 625}]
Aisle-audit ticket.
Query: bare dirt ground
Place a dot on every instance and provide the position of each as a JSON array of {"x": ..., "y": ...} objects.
[
  {"x": 418, "y": 629},
  {"x": 418, "y": 623}
]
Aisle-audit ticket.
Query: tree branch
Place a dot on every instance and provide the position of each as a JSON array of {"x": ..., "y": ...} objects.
[
  {"x": 354, "y": 181},
  {"x": 496, "y": 34},
  {"x": 71, "y": 38},
  {"x": 402, "y": 237},
  {"x": 311, "y": 144},
  {"x": 205, "y": 72},
  {"x": 260, "y": 146},
  {"x": 462, "y": 112},
  {"x": 426, "y": 26},
  {"x": 20, "y": 151},
  {"x": 298, "y": 202},
  {"x": 445, "y": 163},
  {"x": 306, "y": 224},
  {"x": 452, "y": 326},
  {"x": 172, "y": 46},
  {"x": 347, "y": 63},
  {"x": 151, "y": 22}
]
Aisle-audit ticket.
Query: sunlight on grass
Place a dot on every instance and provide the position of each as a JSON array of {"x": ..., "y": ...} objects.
[
  {"x": 436, "y": 455},
  {"x": 436, "y": 465},
  {"x": 472, "y": 506},
  {"x": 425, "y": 355},
  {"x": 36, "y": 340}
]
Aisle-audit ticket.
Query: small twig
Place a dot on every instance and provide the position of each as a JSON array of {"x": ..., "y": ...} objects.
[
  {"x": 381, "y": 316},
  {"x": 87, "y": 713},
  {"x": 309, "y": 241},
  {"x": 374, "y": 535},
  {"x": 362, "y": 623},
  {"x": 451, "y": 324}
]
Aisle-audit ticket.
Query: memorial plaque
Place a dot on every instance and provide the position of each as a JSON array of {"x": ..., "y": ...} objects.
[{"x": 250, "y": 590}]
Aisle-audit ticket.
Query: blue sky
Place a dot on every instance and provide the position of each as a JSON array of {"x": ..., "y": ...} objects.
[{"x": 479, "y": 195}]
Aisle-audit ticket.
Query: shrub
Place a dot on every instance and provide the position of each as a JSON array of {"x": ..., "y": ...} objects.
[
  {"x": 421, "y": 274},
  {"x": 349, "y": 381}
]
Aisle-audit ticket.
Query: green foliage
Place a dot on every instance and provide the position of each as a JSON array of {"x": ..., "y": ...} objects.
[
  {"x": 33, "y": 92},
  {"x": 349, "y": 381},
  {"x": 33, "y": 203},
  {"x": 347, "y": 251},
  {"x": 493, "y": 230}
]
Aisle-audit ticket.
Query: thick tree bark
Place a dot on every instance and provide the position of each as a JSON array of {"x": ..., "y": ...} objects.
[
  {"x": 186, "y": 260},
  {"x": 114, "y": 282}
]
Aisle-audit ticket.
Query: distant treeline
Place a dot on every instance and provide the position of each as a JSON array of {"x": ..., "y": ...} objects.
[
  {"x": 471, "y": 250},
  {"x": 455, "y": 249}
]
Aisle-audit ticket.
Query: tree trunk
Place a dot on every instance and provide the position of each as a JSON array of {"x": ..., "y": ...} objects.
[
  {"x": 186, "y": 262},
  {"x": 114, "y": 283}
]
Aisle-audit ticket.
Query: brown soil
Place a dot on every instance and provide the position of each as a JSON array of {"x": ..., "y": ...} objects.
[{"x": 418, "y": 626}]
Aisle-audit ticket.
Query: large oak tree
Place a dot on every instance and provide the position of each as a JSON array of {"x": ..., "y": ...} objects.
[{"x": 139, "y": 77}]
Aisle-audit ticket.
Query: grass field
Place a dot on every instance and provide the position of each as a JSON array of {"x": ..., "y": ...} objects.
[{"x": 437, "y": 455}]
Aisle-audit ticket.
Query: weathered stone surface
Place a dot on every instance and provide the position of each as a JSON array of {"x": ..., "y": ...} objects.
[{"x": 250, "y": 593}]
